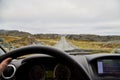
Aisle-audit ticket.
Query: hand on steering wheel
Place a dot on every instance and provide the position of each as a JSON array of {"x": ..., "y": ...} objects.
[
  {"x": 76, "y": 68},
  {"x": 4, "y": 64}
]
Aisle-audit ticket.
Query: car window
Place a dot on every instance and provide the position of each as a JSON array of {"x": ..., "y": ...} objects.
[{"x": 1, "y": 52}]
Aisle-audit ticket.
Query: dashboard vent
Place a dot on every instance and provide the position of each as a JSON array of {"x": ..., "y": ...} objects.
[{"x": 9, "y": 72}]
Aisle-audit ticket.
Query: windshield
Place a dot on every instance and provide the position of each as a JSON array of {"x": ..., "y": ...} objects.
[
  {"x": 89, "y": 26},
  {"x": 1, "y": 52}
]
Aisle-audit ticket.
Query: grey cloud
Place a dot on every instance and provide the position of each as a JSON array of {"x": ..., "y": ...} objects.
[
  {"x": 61, "y": 16},
  {"x": 85, "y": 9}
]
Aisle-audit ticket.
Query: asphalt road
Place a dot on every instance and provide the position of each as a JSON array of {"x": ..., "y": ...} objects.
[{"x": 63, "y": 44}]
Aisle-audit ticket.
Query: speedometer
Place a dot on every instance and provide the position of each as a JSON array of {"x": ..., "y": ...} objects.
[
  {"x": 37, "y": 72},
  {"x": 62, "y": 72}
]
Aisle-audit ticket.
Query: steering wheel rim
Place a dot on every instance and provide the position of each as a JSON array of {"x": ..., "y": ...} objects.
[{"x": 49, "y": 51}]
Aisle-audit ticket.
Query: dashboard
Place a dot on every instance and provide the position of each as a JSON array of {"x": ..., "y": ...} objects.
[
  {"x": 105, "y": 66},
  {"x": 108, "y": 67},
  {"x": 46, "y": 67},
  {"x": 37, "y": 68}
]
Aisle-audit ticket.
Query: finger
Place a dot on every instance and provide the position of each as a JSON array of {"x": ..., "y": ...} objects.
[
  {"x": 6, "y": 61},
  {"x": 4, "y": 64}
]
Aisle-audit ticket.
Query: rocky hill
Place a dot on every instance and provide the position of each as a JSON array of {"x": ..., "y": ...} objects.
[
  {"x": 82, "y": 37},
  {"x": 17, "y": 33},
  {"x": 47, "y": 36},
  {"x": 98, "y": 38},
  {"x": 14, "y": 33}
]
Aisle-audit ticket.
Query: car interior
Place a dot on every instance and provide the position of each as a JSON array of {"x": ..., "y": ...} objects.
[
  {"x": 48, "y": 63},
  {"x": 60, "y": 39}
]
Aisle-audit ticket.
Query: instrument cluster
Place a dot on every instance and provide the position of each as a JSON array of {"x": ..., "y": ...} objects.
[{"x": 40, "y": 72}]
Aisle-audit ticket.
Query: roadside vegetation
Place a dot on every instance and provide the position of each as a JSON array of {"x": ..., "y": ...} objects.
[
  {"x": 93, "y": 45},
  {"x": 16, "y": 39},
  {"x": 90, "y": 45},
  {"x": 49, "y": 42}
]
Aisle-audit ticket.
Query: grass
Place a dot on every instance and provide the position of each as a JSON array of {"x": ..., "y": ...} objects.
[
  {"x": 90, "y": 45},
  {"x": 10, "y": 38},
  {"x": 50, "y": 42}
]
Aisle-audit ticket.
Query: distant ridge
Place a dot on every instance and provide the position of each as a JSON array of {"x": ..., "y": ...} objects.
[
  {"x": 82, "y": 37},
  {"x": 14, "y": 33},
  {"x": 88, "y": 37}
]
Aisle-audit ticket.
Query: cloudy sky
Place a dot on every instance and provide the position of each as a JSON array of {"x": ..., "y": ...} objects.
[{"x": 61, "y": 16}]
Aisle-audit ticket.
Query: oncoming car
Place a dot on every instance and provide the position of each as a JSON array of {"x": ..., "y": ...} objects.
[{"x": 60, "y": 39}]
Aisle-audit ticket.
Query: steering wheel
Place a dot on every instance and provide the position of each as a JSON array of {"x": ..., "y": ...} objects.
[{"x": 76, "y": 68}]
